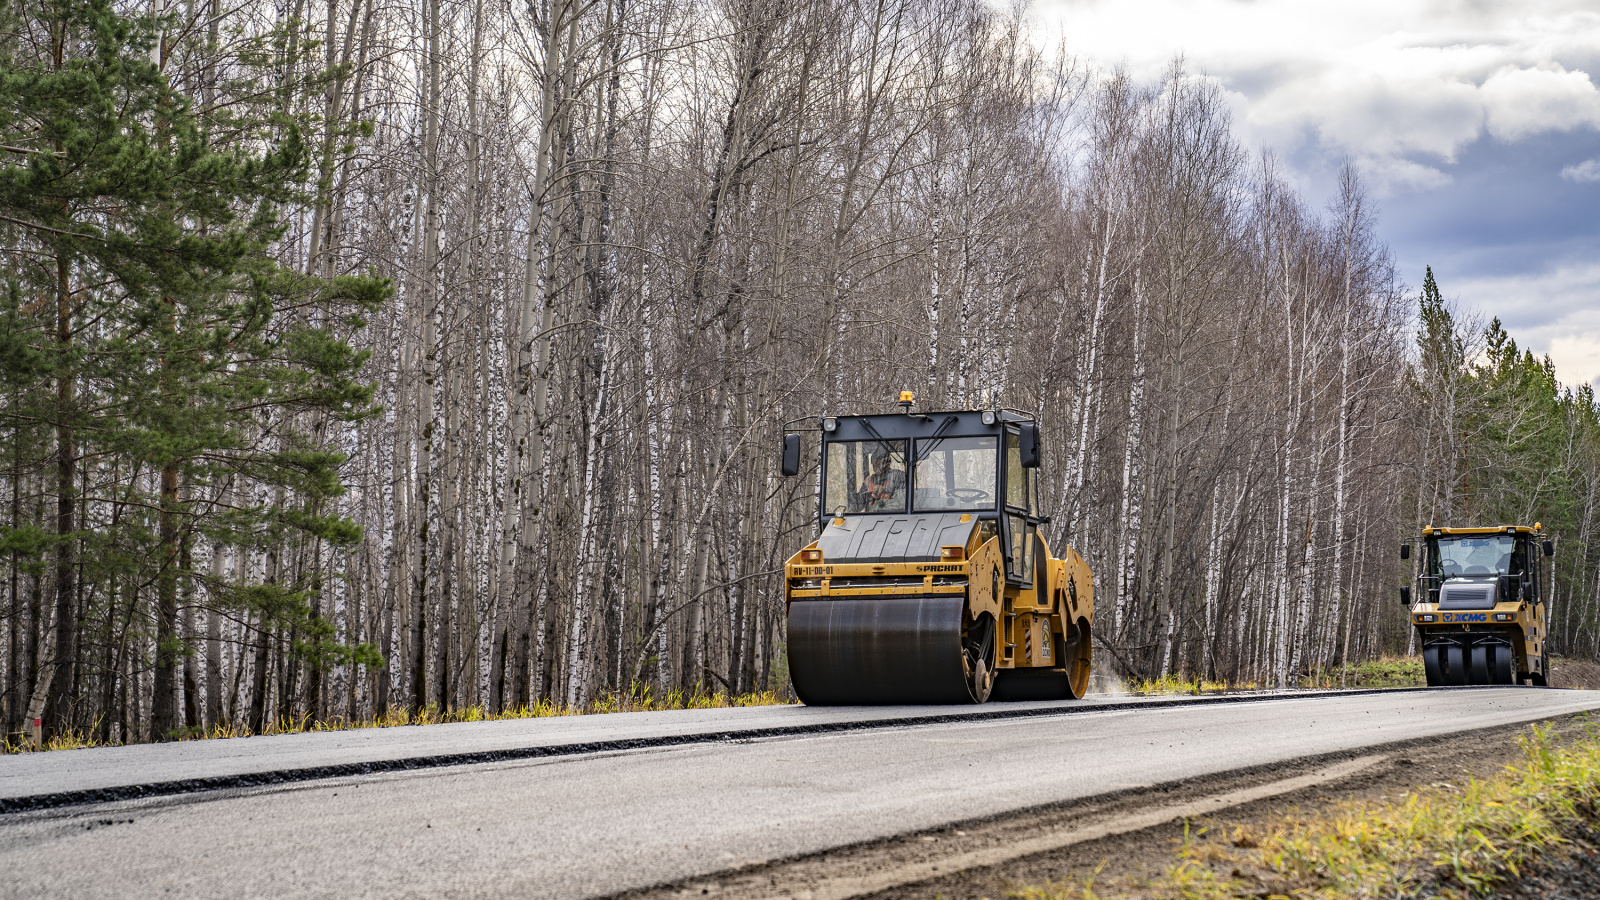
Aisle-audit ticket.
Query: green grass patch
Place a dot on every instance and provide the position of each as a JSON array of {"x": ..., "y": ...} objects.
[
  {"x": 1388, "y": 672},
  {"x": 1447, "y": 840},
  {"x": 640, "y": 699}
]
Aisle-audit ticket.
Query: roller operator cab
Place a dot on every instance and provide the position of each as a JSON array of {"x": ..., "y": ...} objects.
[
  {"x": 1481, "y": 609},
  {"x": 930, "y": 580}
]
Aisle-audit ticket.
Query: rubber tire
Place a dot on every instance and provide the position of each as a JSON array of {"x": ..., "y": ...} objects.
[
  {"x": 1455, "y": 665},
  {"x": 1479, "y": 672},
  {"x": 1540, "y": 678},
  {"x": 1433, "y": 666},
  {"x": 1504, "y": 665}
]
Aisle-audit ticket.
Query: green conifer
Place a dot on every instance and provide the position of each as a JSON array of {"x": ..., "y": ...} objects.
[{"x": 179, "y": 345}]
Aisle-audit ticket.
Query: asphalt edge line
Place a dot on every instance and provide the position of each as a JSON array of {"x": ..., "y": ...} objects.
[{"x": 56, "y": 800}]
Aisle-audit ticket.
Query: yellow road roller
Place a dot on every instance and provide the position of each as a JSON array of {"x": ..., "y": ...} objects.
[
  {"x": 930, "y": 581},
  {"x": 1481, "y": 610}
]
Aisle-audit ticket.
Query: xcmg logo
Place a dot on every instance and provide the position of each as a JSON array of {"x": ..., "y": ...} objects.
[{"x": 1464, "y": 617}]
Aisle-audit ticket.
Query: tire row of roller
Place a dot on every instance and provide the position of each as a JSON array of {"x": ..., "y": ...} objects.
[{"x": 1456, "y": 664}]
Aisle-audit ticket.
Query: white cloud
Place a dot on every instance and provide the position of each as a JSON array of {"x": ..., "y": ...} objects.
[
  {"x": 1586, "y": 172},
  {"x": 1451, "y": 109},
  {"x": 1388, "y": 175},
  {"x": 1524, "y": 102},
  {"x": 1577, "y": 356},
  {"x": 1401, "y": 86}
]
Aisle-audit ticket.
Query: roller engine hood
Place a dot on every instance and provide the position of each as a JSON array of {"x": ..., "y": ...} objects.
[
  {"x": 1475, "y": 592},
  {"x": 894, "y": 538}
]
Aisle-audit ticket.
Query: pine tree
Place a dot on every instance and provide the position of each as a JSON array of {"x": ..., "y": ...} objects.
[{"x": 181, "y": 347}]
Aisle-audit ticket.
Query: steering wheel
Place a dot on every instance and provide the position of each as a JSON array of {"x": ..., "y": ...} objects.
[{"x": 968, "y": 493}]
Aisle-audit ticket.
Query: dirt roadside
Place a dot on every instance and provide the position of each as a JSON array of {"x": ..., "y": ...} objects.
[
  {"x": 1118, "y": 865},
  {"x": 920, "y": 865}
]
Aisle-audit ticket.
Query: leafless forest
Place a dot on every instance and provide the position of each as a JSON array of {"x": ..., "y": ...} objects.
[{"x": 630, "y": 239}]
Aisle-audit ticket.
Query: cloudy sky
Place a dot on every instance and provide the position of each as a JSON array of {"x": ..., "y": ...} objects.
[{"x": 1476, "y": 124}]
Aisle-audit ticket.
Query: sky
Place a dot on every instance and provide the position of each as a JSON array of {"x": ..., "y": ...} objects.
[{"x": 1474, "y": 125}]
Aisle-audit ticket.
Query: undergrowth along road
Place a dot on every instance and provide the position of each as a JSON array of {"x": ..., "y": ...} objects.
[
  {"x": 1525, "y": 831},
  {"x": 1388, "y": 672}
]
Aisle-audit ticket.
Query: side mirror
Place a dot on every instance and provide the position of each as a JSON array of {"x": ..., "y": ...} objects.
[
  {"x": 1549, "y": 548},
  {"x": 791, "y": 454},
  {"x": 1030, "y": 445},
  {"x": 1405, "y": 597},
  {"x": 1405, "y": 551}
]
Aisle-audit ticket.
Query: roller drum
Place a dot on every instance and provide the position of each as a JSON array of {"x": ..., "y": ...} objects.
[
  {"x": 879, "y": 650},
  {"x": 1032, "y": 684}
]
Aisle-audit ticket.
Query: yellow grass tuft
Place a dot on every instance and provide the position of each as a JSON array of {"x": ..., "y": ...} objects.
[{"x": 1176, "y": 684}]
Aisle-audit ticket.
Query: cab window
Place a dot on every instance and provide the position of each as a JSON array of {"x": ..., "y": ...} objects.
[
  {"x": 955, "y": 474},
  {"x": 1018, "y": 490},
  {"x": 1472, "y": 556},
  {"x": 1019, "y": 559},
  {"x": 865, "y": 477}
]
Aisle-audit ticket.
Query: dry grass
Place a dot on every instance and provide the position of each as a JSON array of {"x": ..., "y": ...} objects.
[
  {"x": 1578, "y": 674},
  {"x": 1173, "y": 684},
  {"x": 1454, "y": 841},
  {"x": 640, "y": 699}
]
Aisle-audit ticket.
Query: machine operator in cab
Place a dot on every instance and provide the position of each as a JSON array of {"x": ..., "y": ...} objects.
[{"x": 885, "y": 486}]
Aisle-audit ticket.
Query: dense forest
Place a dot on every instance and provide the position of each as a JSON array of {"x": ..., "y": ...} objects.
[{"x": 364, "y": 356}]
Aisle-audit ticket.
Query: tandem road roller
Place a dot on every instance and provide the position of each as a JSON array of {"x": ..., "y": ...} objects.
[
  {"x": 1482, "y": 604},
  {"x": 930, "y": 581}
]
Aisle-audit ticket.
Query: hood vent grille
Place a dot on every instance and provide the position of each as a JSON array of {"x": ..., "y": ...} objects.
[{"x": 1466, "y": 596}]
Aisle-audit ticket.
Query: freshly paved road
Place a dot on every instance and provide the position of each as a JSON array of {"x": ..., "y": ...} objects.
[{"x": 597, "y": 822}]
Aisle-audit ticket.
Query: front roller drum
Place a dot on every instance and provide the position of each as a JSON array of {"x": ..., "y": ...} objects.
[{"x": 888, "y": 650}]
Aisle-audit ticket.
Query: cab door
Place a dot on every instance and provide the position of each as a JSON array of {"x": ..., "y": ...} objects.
[{"x": 1021, "y": 513}]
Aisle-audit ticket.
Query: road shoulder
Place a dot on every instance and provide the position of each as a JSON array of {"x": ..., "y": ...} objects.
[{"x": 1090, "y": 842}]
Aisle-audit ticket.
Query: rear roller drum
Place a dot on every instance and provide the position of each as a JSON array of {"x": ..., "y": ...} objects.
[
  {"x": 1070, "y": 682},
  {"x": 1078, "y": 660}
]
